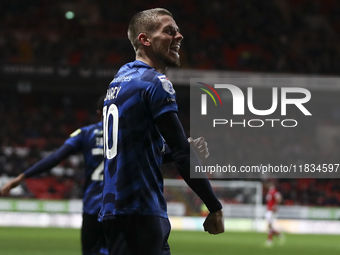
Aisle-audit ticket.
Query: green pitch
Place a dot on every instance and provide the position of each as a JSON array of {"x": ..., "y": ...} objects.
[{"x": 53, "y": 241}]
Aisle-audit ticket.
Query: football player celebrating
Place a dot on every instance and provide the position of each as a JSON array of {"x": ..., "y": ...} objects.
[{"x": 140, "y": 110}]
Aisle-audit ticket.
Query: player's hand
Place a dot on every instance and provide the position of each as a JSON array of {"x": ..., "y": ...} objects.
[
  {"x": 214, "y": 223},
  {"x": 11, "y": 184},
  {"x": 200, "y": 146}
]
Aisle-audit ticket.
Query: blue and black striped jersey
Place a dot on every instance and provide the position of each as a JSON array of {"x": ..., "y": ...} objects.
[
  {"x": 133, "y": 146},
  {"x": 89, "y": 141}
]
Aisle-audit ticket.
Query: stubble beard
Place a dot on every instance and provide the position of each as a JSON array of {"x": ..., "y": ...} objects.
[{"x": 167, "y": 60}]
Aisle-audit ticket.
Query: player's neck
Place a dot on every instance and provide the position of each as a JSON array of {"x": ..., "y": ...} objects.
[{"x": 158, "y": 65}]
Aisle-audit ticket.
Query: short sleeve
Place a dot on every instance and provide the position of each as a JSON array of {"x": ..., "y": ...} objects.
[
  {"x": 76, "y": 139},
  {"x": 160, "y": 96}
]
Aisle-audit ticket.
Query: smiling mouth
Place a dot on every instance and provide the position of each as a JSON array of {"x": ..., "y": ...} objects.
[{"x": 175, "y": 49}]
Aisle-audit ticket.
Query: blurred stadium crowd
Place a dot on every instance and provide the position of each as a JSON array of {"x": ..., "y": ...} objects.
[
  {"x": 294, "y": 36},
  {"x": 287, "y": 36}
]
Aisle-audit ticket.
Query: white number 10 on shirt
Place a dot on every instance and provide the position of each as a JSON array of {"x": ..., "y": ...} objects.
[{"x": 110, "y": 153}]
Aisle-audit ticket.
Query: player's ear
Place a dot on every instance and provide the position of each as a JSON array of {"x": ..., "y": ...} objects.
[{"x": 144, "y": 39}]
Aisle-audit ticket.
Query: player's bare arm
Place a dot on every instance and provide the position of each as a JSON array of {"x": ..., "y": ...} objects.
[
  {"x": 12, "y": 184},
  {"x": 278, "y": 198}
]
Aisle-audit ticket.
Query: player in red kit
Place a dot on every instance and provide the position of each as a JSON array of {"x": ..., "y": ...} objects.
[{"x": 273, "y": 198}]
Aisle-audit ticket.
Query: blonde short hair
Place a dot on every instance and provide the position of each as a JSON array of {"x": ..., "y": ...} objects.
[{"x": 144, "y": 22}]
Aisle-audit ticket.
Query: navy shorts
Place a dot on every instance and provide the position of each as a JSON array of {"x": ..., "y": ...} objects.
[
  {"x": 92, "y": 236},
  {"x": 137, "y": 235}
]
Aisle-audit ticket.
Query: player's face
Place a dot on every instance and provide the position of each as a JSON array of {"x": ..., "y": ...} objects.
[{"x": 166, "y": 41}]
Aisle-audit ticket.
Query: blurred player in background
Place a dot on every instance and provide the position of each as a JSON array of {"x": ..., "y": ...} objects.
[
  {"x": 140, "y": 110},
  {"x": 89, "y": 141},
  {"x": 273, "y": 199}
]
